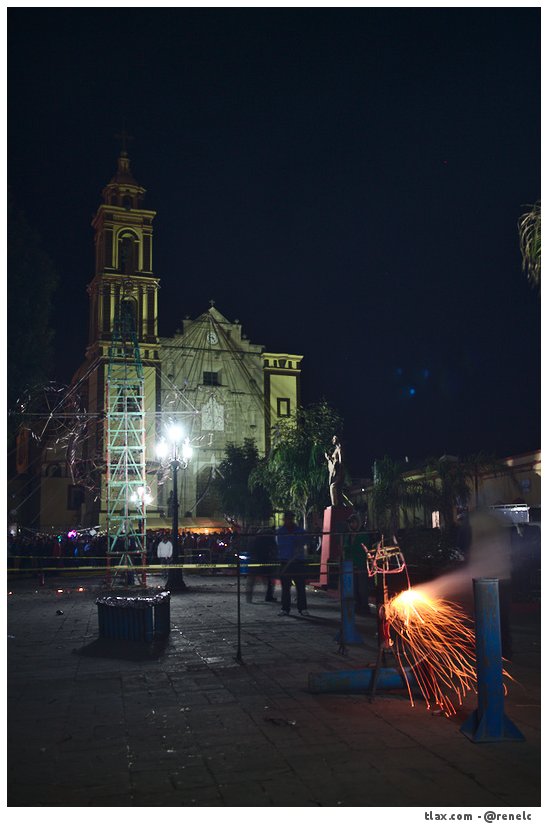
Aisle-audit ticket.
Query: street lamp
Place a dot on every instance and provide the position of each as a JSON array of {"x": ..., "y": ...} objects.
[
  {"x": 141, "y": 498},
  {"x": 177, "y": 450}
]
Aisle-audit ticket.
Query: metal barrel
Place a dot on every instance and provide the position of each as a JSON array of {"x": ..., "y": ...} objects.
[
  {"x": 101, "y": 619},
  {"x": 148, "y": 624},
  {"x": 162, "y": 618}
]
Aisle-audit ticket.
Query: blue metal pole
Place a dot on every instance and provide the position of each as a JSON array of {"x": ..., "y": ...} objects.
[
  {"x": 358, "y": 680},
  {"x": 488, "y": 722},
  {"x": 348, "y": 633}
]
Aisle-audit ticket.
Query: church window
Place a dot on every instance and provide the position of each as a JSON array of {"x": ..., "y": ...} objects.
[
  {"x": 212, "y": 379},
  {"x": 128, "y": 256},
  {"x": 126, "y": 202},
  {"x": 284, "y": 407}
]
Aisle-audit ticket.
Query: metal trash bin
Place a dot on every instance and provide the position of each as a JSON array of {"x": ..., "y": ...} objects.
[{"x": 134, "y": 617}]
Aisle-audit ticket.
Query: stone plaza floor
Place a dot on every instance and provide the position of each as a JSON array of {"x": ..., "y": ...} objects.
[{"x": 97, "y": 723}]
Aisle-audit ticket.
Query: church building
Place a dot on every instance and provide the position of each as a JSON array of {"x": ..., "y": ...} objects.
[{"x": 208, "y": 377}]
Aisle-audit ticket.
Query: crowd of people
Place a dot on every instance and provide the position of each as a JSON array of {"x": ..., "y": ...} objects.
[
  {"x": 266, "y": 554},
  {"x": 33, "y": 550}
]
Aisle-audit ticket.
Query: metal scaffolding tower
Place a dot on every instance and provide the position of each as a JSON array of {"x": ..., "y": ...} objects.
[{"x": 125, "y": 420}]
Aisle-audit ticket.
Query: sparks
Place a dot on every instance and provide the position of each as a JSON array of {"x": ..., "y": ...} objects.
[{"x": 435, "y": 640}]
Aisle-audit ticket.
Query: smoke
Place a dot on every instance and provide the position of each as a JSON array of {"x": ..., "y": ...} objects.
[{"x": 489, "y": 556}]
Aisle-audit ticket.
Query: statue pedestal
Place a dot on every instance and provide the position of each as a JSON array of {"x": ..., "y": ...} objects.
[{"x": 334, "y": 527}]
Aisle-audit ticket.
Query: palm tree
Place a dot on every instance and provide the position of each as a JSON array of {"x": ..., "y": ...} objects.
[{"x": 530, "y": 243}]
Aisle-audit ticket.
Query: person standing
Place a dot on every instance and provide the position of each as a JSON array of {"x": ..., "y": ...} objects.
[
  {"x": 354, "y": 551},
  {"x": 164, "y": 550},
  {"x": 263, "y": 551},
  {"x": 290, "y": 543}
]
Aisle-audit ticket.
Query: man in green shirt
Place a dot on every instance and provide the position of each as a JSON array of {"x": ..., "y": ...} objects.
[{"x": 354, "y": 551}]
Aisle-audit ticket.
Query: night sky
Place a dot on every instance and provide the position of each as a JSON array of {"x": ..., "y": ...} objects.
[{"x": 345, "y": 182}]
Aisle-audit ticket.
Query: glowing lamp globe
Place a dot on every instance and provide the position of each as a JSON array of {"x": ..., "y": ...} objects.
[
  {"x": 162, "y": 449},
  {"x": 175, "y": 433}
]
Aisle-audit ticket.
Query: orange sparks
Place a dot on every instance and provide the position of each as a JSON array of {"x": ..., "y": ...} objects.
[{"x": 435, "y": 640}]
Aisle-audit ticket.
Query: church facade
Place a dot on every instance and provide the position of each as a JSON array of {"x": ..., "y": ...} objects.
[{"x": 208, "y": 377}]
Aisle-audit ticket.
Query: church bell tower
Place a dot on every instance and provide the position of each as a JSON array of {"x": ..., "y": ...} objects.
[
  {"x": 123, "y": 265},
  {"x": 123, "y": 286}
]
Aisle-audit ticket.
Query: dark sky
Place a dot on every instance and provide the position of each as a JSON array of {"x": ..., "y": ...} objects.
[{"x": 345, "y": 182}]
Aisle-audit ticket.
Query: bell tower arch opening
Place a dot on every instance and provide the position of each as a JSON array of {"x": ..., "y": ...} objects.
[{"x": 128, "y": 252}]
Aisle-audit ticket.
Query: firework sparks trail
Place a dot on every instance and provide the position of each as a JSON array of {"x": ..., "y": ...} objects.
[{"x": 435, "y": 640}]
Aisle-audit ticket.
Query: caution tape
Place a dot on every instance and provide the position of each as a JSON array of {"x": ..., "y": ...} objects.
[{"x": 151, "y": 567}]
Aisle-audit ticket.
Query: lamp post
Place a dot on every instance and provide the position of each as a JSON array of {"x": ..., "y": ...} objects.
[
  {"x": 141, "y": 498},
  {"x": 177, "y": 450}
]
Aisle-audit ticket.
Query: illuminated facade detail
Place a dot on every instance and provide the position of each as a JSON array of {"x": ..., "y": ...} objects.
[
  {"x": 282, "y": 388},
  {"x": 240, "y": 392}
]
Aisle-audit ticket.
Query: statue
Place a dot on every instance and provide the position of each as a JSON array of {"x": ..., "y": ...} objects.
[{"x": 336, "y": 471}]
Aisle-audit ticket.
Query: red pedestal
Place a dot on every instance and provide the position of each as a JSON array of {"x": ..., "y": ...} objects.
[{"x": 334, "y": 527}]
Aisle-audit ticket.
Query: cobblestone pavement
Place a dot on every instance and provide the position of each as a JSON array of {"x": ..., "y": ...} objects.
[{"x": 96, "y": 723}]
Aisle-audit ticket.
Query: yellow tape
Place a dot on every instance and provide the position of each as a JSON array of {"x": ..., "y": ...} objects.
[{"x": 150, "y": 567}]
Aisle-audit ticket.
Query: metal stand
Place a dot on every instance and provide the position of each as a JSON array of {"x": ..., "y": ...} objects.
[
  {"x": 125, "y": 453},
  {"x": 381, "y": 561}
]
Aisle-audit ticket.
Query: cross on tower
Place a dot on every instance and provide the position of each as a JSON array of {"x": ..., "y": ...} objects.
[
  {"x": 124, "y": 138},
  {"x": 212, "y": 303}
]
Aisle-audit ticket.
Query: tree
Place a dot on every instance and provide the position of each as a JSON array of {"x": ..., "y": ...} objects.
[
  {"x": 479, "y": 463},
  {"x": 32, "y": 281},
  {"x": 393, "y": 493},
  {"x": 453, "y": 489},
  {"x": 238, "y": 499},
  {"x": 295, "y": 473},
  {"x": 530, "y": 243},
  {"x": 458, "y": 476}
]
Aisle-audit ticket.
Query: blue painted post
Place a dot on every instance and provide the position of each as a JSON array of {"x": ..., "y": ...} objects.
[
  {"x": 348, "y": 633},
  {"x": 358, "y": 680},
  {"x": 488, "y": 722}
]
